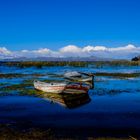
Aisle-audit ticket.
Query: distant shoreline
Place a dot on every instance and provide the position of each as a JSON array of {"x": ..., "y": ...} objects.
[{"x": 40, "y": 64}]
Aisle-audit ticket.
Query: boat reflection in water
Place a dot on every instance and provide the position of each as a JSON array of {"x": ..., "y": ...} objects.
[{"x": 68, "y": 100}]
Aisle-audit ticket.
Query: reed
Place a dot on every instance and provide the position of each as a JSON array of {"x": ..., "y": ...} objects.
[
  {"x": 97, "y": 64},
  {"x": 40, "y": 64}
]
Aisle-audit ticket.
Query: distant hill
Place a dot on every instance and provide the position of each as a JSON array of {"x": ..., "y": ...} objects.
[
  {"x": 91, "y": 58},
  {"x": 137, "y": 58}
]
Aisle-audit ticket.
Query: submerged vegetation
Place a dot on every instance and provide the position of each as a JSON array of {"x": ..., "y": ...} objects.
[
  {"x": 123, "y": 75},
  {"x": 7, "y": 132},
  {"x": 19, "y": 89},
  {"x": 18, "y": 75}
]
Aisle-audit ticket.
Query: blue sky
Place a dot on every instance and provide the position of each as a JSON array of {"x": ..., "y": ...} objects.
[{"x": 52, "y": 24}]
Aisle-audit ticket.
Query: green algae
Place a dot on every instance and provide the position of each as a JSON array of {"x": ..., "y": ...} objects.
[
  {"x": 11, "y": 75},
  {"x": 18, "y": 75},
  {"x": 127, "y": 75}
]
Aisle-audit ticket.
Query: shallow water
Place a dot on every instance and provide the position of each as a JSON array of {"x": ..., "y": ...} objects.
[{"x": 114, "y": 103}]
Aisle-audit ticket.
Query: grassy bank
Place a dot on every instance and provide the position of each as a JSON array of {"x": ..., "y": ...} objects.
[{"x": 40, "y": 64}]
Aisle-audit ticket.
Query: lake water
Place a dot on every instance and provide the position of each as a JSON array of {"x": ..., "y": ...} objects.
[{"x": 113, "y": 107}]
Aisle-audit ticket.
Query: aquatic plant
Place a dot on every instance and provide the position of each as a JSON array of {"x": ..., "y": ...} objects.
[
  {"x": 40, "y": 64},
  {"x": 19, "y": 75},
  {"x": 2, "y": 84},
  {"x": 128, "y": 75},
  {"x": 97, "y": 64},
  {"x": 7, "y": 132},
  {"x": 11, "y": 75},
  {"x": 11, "y": 132}
]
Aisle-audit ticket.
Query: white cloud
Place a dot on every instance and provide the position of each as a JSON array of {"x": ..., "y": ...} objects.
[
  {"x": 71, "y": 51},
  {"x": 96, "y": 48},
  {"x": 24, "y": 51},
  {"x": 103, "y": 48},
  {"x": 4, "y": 50},
  {"x": 5, "y": 53},
  {"x": 125, "y": 48},
  {"x": 125, "y": 52},
  {"x": 42, "y": 51}
]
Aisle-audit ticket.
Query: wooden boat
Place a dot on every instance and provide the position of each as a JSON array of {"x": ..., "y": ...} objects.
[
  {"x": 68, "y": 100},
  {"x": 79, "y": 76},
  {"x": 87, "y": 78},
  {"x": 50, "y": 87}
]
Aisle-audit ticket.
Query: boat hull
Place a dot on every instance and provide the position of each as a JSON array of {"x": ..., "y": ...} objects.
[{"x": 49, "y": 88}]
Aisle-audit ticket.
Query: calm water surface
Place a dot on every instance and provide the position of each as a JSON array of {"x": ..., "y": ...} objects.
[{"x": 114, "y": 103}]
